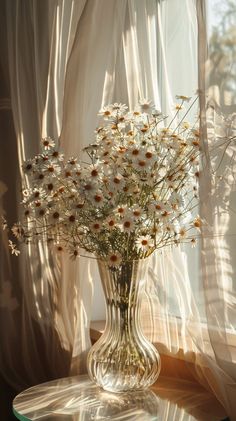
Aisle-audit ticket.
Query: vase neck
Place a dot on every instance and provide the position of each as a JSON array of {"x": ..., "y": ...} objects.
[{"x": 122, "y": 286}]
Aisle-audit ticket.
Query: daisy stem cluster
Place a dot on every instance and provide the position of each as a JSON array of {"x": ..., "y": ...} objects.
[{"x": 135, "y": 193}]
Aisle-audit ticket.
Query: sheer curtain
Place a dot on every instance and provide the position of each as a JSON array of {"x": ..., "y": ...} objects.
[
  {"x": 67, "y": 59},
  {"x": 46, "y": 332},
  {"x": 193, "y": 318},
  {"x": 217, "y": 71}
]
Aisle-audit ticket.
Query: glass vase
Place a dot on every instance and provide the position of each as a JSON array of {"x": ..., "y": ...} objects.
[{"x": 123, "y": 359}]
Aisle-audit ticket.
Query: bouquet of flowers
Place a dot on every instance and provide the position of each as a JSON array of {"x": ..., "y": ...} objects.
[{"x": 133, "y": 194}]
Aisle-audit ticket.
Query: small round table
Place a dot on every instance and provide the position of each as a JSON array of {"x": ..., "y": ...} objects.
[{"x": 79, "y": 399}]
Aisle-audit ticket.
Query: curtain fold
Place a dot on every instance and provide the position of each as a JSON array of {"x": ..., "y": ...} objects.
[{"x": 217, "y": 70}]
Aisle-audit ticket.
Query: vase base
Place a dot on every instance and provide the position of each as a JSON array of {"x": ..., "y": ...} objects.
[
  {"x": 122, "y": 384},
  {"x": 123, "y": 390}
]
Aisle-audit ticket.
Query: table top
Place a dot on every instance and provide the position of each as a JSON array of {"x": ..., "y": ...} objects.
[{"x": 79, "y": 399}]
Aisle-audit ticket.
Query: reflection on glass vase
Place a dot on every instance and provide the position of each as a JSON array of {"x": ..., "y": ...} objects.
[{"x": 123, "y": 359}]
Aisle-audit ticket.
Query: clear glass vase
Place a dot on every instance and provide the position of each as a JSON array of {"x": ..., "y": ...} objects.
[{"x": 123, "y": 359}]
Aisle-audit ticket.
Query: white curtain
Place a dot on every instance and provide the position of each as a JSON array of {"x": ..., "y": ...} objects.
[
  {"x": 217, "y": 72},
  {"x": 67, "y": 59},
  {"x": 46, "y": 333},
  {"x": 193, "y": 318}
]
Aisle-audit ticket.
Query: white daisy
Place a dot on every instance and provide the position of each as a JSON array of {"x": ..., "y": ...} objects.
[
  {"x": 18, "y": 230},
  {"x": 40, "y": 210},
  {"x": 88, "y": 187},
  {"x": 156, "y": 206},
  {"x": 193, "y": 242},
  {"x": 55, "y": 155},
  {"x": 170, "y": 227},
  {"x": 133, "y": 117},
  {"x": 28, "y": 167},
  {"x": 120, "y": 108},
  {"x": 111, "y": 223},
  {"x": 112, "y": 110},
  {"x": 59, "y": 248},
  {"x": 94, "y": 171},
  {"x": 176, "y": 200},
  {"x": 141, "y": 163},
  {"x": 78, "y": 205},
  {"x": 156, "y": 113},
  {"x": 178, "y": 106},
  {"x": 150, "y": 156},
  {"x": 28, "y": 212},
  {"x": 185, "y": 125},
  {"x": 136, "y": 212},
  {"x": 144, "y": 242},
  {"x": 127, "y": 224},
  {"x": 105, "y": 154},
  {"x": 197, "y": 223},
  {"x": 68, "y": 171},
  {"x": 54, "y": 216},
  {"x": 13, "y": 248},
  {"x": 71, "y": 218},
  {"x": 91, "y": 149},
  {"x": 145, "y": 159},
  {"x": 114, "y": 259},
  {"x": 72, "y": 162},
  {"x": 121, "y": 150},
  {"x": 4, "y": 223},
  {"x": 37, "y": 194},
  {"x": 48, "y": 143},
  {"x": 50, "y": 185},
  {"x": 155, "y": 228},
  {"x": 120, "y": 210},
  {"x": 166, "y": 213},
  {"x": 96, "y": 226},
  {"x": 183, "y": 98},
  {"x": 51, "y": 169},
  {"x": 39, "y": 177},
  {"x": 97, "y": 199},
  {"x": 182, "y": 232},
  {"x": 146, "y": 106},
  {"x": 117, "y": 182},
  {"x": 134, "y": 153},
  {"x": 196, "y": 143},
  {"x": 78, "y": 172}
]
